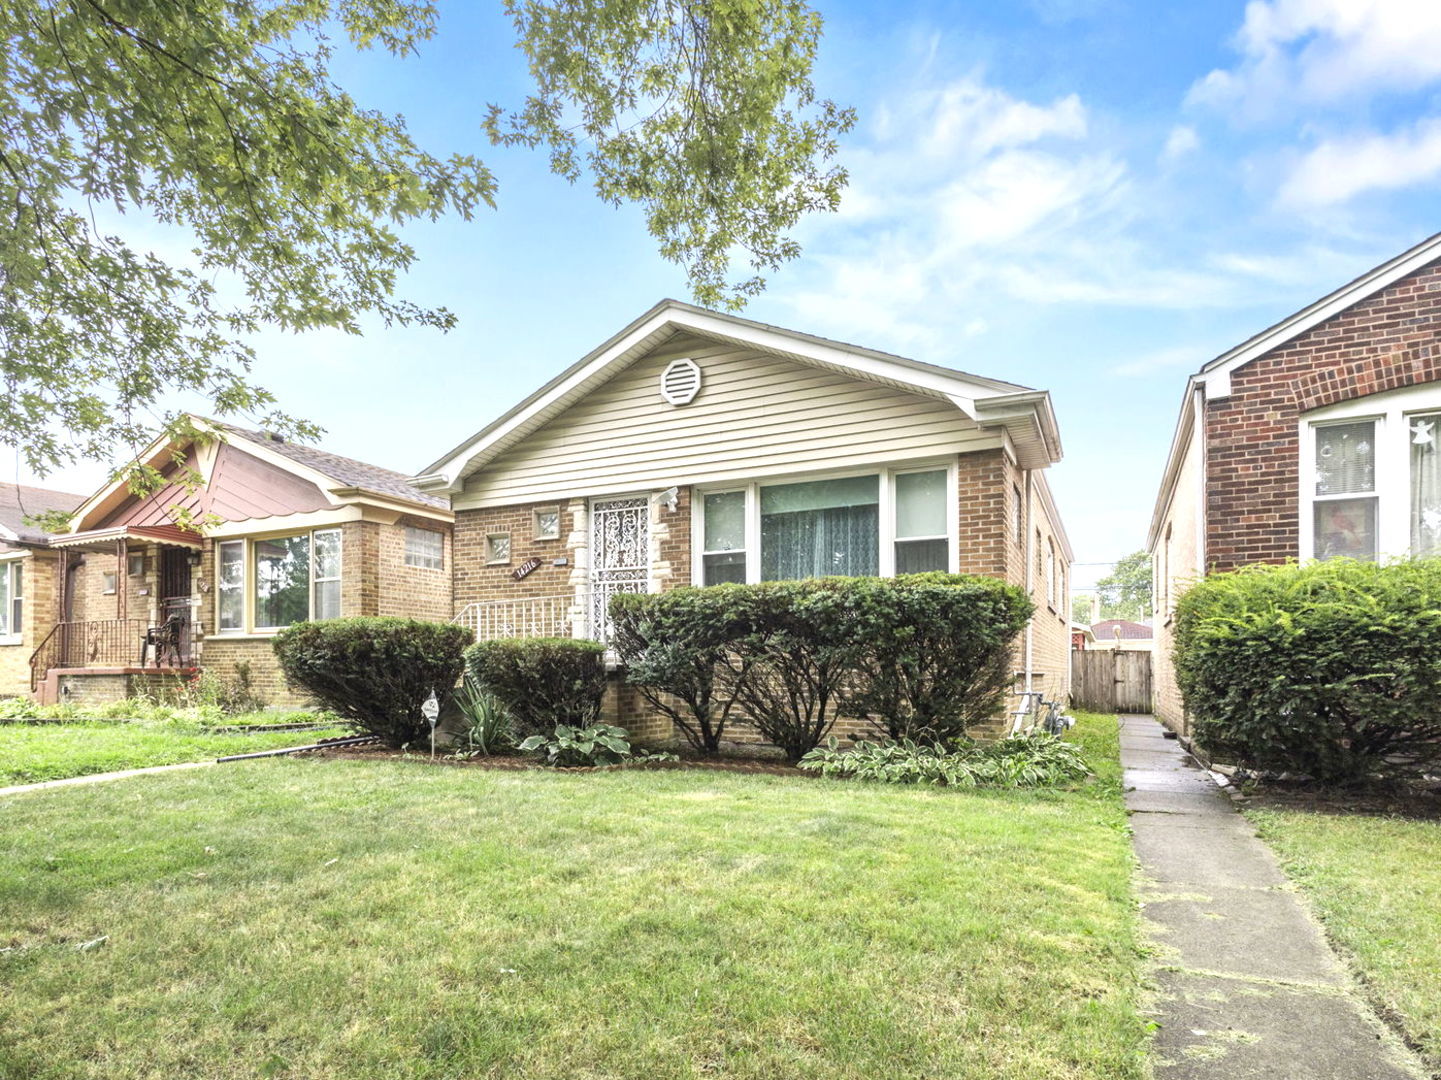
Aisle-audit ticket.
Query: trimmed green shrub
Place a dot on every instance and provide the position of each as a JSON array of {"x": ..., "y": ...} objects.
[
  {"x": 675, "y": 645},
  {"x": 1037, "y": 760},
  {"x": 936, "y": 655},
  {"x": 1331, "y": 669},
  {"x": 542, "y": 681},
  {"x": 795, "y": 648},
  {"x": 374, "y": 673}
]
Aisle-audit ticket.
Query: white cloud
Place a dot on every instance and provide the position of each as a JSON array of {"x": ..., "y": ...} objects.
[
  {"x": 1183, "y": 140},
  {"x": 1308, "y": 51},
  {"x": 1341, "y": 168}
]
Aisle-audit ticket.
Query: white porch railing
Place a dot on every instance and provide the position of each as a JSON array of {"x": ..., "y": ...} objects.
[{"x": 560, "y": 615}]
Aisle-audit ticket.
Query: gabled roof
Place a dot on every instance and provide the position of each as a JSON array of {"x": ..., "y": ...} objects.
[
  {"x": 18, "y": 501},
  {"x": 347, "y": 472},
  {"x": 339, "y": 479},
  {"x": 1025, "y": 413},
  {"x": 1124, "y": 629},
  {"x": 1214, "y": 378},
  {"x": 1216, "y": 374}
]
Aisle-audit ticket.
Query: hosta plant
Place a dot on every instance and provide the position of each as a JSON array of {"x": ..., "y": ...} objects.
[
  {"x": 1038, "y": 760},
  {"x": 599, "y": 744}
]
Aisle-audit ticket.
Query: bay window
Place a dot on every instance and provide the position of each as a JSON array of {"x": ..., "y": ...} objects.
[
  {"x": 1371, "y": 477},
  {"x": 287, "y": 579},
  {"x": 12, "y": 597},
  {"x": 886, "y": 522}
]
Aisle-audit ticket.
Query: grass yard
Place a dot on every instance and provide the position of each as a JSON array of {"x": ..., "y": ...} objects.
[
  {"x": 342, "y": 918},
  {"x": 30, "y": 753},
  {"x": 1376, "y": 882}
]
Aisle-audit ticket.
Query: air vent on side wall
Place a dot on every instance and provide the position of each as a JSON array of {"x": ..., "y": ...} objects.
[{"x": 680, "y": 382}]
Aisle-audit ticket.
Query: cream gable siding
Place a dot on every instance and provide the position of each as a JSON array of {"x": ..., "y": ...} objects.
[
  {"x": 756, "y": 416},
  {"x": 1174, "y": 568}
]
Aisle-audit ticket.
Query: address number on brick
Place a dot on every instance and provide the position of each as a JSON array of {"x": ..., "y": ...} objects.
[{"x": 524, "y": 569}]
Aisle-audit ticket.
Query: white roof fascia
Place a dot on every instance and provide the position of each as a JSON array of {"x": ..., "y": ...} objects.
[
  {"x": 1180, "y": 440},
  {"x": 1216, "y": 375},
  {"x": 967, "y": 393}
]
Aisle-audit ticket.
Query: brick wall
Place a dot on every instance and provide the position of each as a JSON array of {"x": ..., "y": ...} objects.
[
  {"x": 222, "y": 654},
  {"x": 1389, "y": 341},
  {"x": 413, "y": 592},
  {"x": 983, "y": 486},
  {"x": 475, "y": 581}
]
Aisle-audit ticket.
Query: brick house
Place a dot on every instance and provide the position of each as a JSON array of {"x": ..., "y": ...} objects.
[
  {"x": 698, "y": 448},
  {"x": 282, "y": 533},
  {"x": 1316, "y": 438},
  {"x": 27, "y": 569}
]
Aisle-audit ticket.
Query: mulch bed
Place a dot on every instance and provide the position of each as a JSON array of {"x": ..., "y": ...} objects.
[
  {"x": 377, "y": 752},
  {"x": 1381, "y": 802}
]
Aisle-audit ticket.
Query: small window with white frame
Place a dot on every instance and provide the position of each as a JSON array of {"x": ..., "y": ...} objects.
[
  {"x": 1344, "y": 500},
  {"x": 424, "y": 548},
  {"x": 107, "y": 583},
  {"x": 545, "y": 523},
  {"x": 1051, "y": 573},
  {"x": 922, "y": 537},
  {"x": 12, "y": 598},
  {"x": 497, "y": 549},
  {"x": 230, "y": 585},
  {"x": 723, "y": 555}
]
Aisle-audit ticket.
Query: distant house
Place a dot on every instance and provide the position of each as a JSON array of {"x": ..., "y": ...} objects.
[
  {"x": 697, "y": 448},
  {"x": 1081, "y": 637},
  {"x": 1316, "y": 438},
  {"x": 26, "y": 571},
  {"x": 1121, "y": 634},
  {"x": 282, "y": 533}
]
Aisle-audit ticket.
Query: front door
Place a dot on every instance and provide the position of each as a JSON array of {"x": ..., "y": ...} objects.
[
  {"x": 620, "y": 555},
  {"x": 175, "y": 593}
]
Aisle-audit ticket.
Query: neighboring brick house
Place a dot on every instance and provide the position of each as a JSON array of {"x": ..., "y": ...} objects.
[
  {"x": 282, "y": 533},
  {"x": 27, "y": 577},
  {"x": 1319, "y": 437},
  {"x": 697, "y": 448}
]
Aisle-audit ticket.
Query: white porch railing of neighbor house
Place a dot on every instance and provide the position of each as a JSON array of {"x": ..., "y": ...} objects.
[{"x": 560, "y": 615}]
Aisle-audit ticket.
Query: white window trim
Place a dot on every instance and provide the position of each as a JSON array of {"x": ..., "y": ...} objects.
[
  {"x": 886, "y": 554},
  {"x": 14, "y": 635},
  {"x": 248, "y": 627},
  {"x": 1392, "y": 411}
]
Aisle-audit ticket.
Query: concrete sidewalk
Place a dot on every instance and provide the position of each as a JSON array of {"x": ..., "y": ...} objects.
[
  {"x": 1248, "y": 985},
  {"x": 100, "y": 778}
]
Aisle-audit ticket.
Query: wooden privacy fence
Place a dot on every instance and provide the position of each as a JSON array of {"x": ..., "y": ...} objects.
[{"x": 1111, "y": 680}]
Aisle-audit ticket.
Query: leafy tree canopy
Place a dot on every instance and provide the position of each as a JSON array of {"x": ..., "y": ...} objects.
[
  {"x": 220, "y": 118},
  {"x": 1125, "y": 593}
]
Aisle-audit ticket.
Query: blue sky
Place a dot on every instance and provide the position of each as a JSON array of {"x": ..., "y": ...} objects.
[{"x": 1090, "y": 196}]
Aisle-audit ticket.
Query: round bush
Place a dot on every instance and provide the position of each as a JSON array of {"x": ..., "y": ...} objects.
[
  {"x": 543, "y": 682},
  {"x": 1331, "y": 669},
  {"x": 375, "y": 673}
]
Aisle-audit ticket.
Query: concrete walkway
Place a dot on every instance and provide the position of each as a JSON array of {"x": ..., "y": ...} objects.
[
  {"x": 1248, "y": 986},
  {"x": 100, "y": 778}
]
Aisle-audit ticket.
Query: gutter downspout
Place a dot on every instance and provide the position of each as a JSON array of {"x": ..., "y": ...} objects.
[{"x": 1030, "y": 582}]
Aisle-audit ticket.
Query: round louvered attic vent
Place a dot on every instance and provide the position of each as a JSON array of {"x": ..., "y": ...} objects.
[{"x": 680, "y": 382}]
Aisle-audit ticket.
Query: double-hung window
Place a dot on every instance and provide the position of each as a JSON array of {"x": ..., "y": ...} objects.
[
  {"x": 288, "y": 579},
  {"x": 12, "y": 597},
  {"x": 893, "y": 522},
  {"x": 1371, "y": 477}
]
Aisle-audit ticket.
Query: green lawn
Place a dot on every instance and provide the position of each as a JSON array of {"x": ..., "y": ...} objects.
[
  {"x": 30, "y": 753},
  {"x": 319, "y": 919},
  {"x": 1376, "y": 882}
]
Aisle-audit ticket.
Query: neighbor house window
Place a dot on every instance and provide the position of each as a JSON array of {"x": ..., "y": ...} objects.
[
  {"x": 107, "y": 583},
  {"x": 12, "y": 594},
  {"x": 546, "y": 523},
  {"x": 1020, "y": 515},
  {"x": 230, "y": 584},
  {"x": 136, "y": 563},
  {"x": 878, "y": 523},
  {"x": 1344, "y": 507},
  {"x": 293, "y": 579},
  {"x": 497, "y": 549},
  {"x": 921, "y": 532},
  {"x": 424, "y": 548},
  {"x": 1371, "y": 476}
]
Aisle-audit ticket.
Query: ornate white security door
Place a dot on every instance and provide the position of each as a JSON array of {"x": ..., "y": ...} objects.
[{"x": 620, "y": 555}]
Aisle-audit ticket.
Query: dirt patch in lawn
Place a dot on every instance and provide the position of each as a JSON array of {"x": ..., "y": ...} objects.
[{"x": 1389, "y": 801}]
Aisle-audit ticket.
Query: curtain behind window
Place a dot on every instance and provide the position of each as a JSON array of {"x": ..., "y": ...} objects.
[
  {"x": 1425, "y": 485},
  {"x": 820, "y": 528}
]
